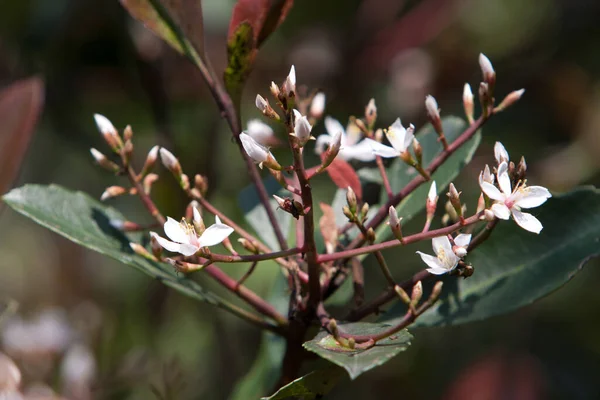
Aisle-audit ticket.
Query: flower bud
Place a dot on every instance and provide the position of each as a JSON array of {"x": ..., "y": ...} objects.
[
  {"x": 418, "y": 149},
  {"x": 402, "y": 294},
  {"x": 148, "y": 182},
  {"x": 432, "y": 199},
  {"x": 489, "y": 75},
  {"x": 480, "y": 203},
  {"x": 333, "y": 150},
  {"x": 302, "y": 128},
  {"x": 436, "y": 292},
  {"x": 351, "y": 200},
  {"x": 258, "y": 153},
  {"x": 201, "y": 184},
  {"x": 260, "y": 131},
  {"x": 263, "y": 105},
  {"x": 104, "y": 162},
  {"x": 248, "y": 245},
  {"x": 434, "y": 116},
  {"x": 489, "y": 215},
  {"x": 500, "y": 153},
  {"x": 416, "y": 294},
  {"x": 109, "y": 132},
  {"x": 371, "y": 113},
  {"x": 197, "y": 220},
  {"x": 486, "y": 176},
  {"x": 370, "y": 235},
  {"x": 289, "y": 86},
  {"x": 171, "y": 163},
  {"x": 364, "y": 210},
  {"x": 460, "y": 251},
  {"x": 141, "y": 250},
  {"x": 113, "y": 191},
  {"x": 468, "y": 102},
  {"x": 128, "y": 150},
  {"x": 510, "y": 99},
  {"x": 150, "y": 160},
  {"x": 521, "y": 169},
  {"x": 128, "y": 133},
  {"x": 454, "y": 197},
  {"x": 395, "y": 223},
  {"x": 484, "y": 98},
  {"x": 379, "y": 135},
  {"x": 348, "y": 213},
  {"x": 317, "y": 105},
  {"x": 274, "y": 90}
]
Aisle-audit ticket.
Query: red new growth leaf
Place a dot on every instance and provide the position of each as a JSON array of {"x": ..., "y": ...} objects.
[
  {"x": 343, "y": 175},
  {"x": 264, "y": 16},
  {"x": 20, "y": 107}
]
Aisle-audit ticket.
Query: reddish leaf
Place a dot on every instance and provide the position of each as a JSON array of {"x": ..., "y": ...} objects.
[
  {"x": 20, "y": 107},
  {"x": 263, "y": 16},
  {"x": 328, "y": 227},
  {"x": 343, "y": 175}
]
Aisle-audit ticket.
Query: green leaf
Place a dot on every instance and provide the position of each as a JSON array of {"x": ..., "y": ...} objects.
[
  {"x": 400, "y": 174},
  {"x": 256, "y": 216},
  {"x": 85, "y": 221},
  {"x": 177, "y": 22},
  {"x": 514, "y": 267},
  {"x": 265, "y": 371},
  {"x": 355, "y": 362},
  {"x": 314, "y": 385}
]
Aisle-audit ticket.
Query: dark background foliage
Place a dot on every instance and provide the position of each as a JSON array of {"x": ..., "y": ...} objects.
[{"x": 94, "y": 58}]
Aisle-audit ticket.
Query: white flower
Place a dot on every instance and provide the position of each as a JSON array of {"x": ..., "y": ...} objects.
[
  {"x": 510, "y": 202},
  {"x": 185, "y": 240},
  {"x": 445, "y": 261},
  {"x": 302, "y": 128},
  {"x": 461, "y": 243},
  {"x": 400, "y": 138},
  {"x": 317, "y": 106},
  {"x": 257, "y": 152},
  {"x": 486, "y": 176},
  {"x": 259, "y": 131},
  {"x": 351, "y": 147},
  {"x": 500, "y": 153}
]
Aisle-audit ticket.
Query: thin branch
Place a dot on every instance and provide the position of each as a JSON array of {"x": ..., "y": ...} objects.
[
  {"x": 384, "y": 177},
  {"x": 144, "y": 197},
  {"x": 252, "y": 257}
]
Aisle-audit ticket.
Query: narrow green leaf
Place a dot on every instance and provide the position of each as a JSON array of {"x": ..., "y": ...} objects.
[
  {"x": 86, "y": 221},
  {"x": 255, "y": 213},
  {"x": 312, "y": 386},
  {"x": 514, "y": 267},
  {"x": 355, "y": 362}
]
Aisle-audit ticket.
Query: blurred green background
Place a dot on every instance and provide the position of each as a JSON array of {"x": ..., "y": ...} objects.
[{"x": 137, "y": 334}]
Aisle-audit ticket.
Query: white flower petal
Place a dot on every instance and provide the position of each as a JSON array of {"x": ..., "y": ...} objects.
[
  {"x": 175, "y": 232},
  {"x": 104, "y": 125},
  {"x": 381, "y": 149},
  {"x": 501, "y": 211},
  {"x": 188, "y": 249},
  {"x": 438, "y": 270},
  {"x": 531, "y": 196},
  {"x": 492, "y": 191},
  {"x": 361, "y": 151},
  {"x": 500, "y": 153},
  {"x": 166, "y": 244},
  {"x": 255, "y": 150},
  {"x": 409, "y": 136},
  {"x": 322, "y": 141},
  {"x": 333, "y": 126},
  {"x": 259, "y": 131},
  {"x": 441, "y": 245},
  {"x": 317, "y": 106},
  {"x": 527, "y": 221},
  {"x": 215, "y": 234},
  {"x": 503, "y": 179},
  {"x": 396, "y": 134},
  {"x": 302, "y": 127},
  {"x": 197, "y": 216},
  {"x": 462, "y": 240},
  {"x": 433, "y": 262}
]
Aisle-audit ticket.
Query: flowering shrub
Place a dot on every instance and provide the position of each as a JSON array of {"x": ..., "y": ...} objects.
[{"x": 330, "y": 241}]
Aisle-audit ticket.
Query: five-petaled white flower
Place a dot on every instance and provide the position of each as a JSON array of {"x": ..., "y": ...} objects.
[
  {"x": 446, "y": 259},
  {"x": 259, "y": 131},
  {"x": 351, "y": 146},
  {"x": 400, "y": 138},
  {"x": 184, "y": 238},
  {"x": 509, "y": 202}
]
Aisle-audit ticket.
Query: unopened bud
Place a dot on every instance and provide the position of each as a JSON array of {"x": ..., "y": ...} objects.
[
  {"x": 521, "y": 169},
  {"x": 248, "y": 245},
  {"x": 263, "y": 105},
  {"x": 148, "y": 182},
  {"x": 418, "y": 149},
  {"x": 348, "y": 213},
  {"x": 480, "y": 203},
  {"x": 489, "y": 215},
  {"x": 317, "y": 105},
  {"x": 113, "y": 191},
  {"x": 460, "y": 251},
  {"x": 289, "y": 86},
  {"x": 402, "y": 294},
  {"x": 104, "y": 162},
  {"x": 274, "y": 91},
  {"x": 454, "y": 197},
  {"x": 489, "y": 75},
  {"x": 432, "y": 199},
  {"x": 333, "y": 150},
  {"x": 184, "y": 182},
  {"x": 371, "y": 113},
  {"x": 141, "y": 250},
  {"x": 468, "y": 103},
  {"x": 197, "y": 219},
  {"x": 416, "y": 294},
  {"x": 201, "y": 184},
  {"x": 333, "y": 328},
  {"x": 395, "y": 223},
  {"x": 379, "y": 135},
  {"x": 434, "y": 115},
  {"x": 351, "y": 200},
  {"x": 128, "y": 149},
  {"x": 150, "y": 160},
  {"x": 436, "y": 292},
  {"x": 171, "y": 163},
  {"x": 484, "y": 98},
  {"x": 510, "y": 99},
  {"x": 370, "y": 235},
  {"x": 128, "y": 133},
  {"x": 109, "y": 132},
  {"x": 364, "y": 210}
]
